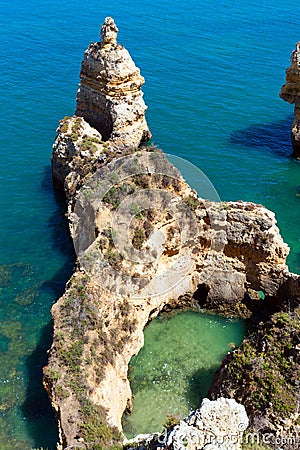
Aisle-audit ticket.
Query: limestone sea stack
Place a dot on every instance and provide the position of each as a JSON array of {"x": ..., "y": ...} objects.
[
  {"x": 109, "y": 97},
  {"x": 290, "y": 92},
  {"x": 110, "y": 113}
]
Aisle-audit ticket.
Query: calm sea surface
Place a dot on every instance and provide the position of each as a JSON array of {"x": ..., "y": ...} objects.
[
  {"x": 213, "y": 73},
  {"x": 173, "y": 371}
]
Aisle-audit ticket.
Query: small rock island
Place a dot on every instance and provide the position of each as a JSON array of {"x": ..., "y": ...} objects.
[
  {"x": 290, "y": 92},
  {"x": 146, "y": 243}
]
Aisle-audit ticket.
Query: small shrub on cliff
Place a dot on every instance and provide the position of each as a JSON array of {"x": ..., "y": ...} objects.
[
  {"x": 61, "y": 391},
  {"x": 114, "y": 258},
  {"x": 142, "y": 180},
  {"x": 64, "y": 127},
  {"x": 171, "y": 421},
  {"x": 192, "y": 202},
  {"x": 72, "y": 355},
  {"x": 76, "y": 125},
  {"x": 136, "y": 211},
  {"x": 74, "y": 137},
  {"x": 87, "y": 143},
  {"x": 116, "y": 194},
  {"x": 139, "y": 238},
  {"x": 281, "y": 318},
  {"x": 95, "y": 430},
  {"x": 52, "y": 373}
]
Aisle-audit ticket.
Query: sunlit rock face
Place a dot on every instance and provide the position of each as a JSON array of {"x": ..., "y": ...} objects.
[
  {"x": 109, "y": 97},
  {"x": 290, "y": 92},
  {"x": 216, "y": 425}
]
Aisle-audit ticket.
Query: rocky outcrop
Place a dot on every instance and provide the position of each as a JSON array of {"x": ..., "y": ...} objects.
[
  {"x": 290, "y": 92},
  {"x": 77, "y": 151},
  {"x": 109, "y": 97},
  {"x": 145, "y": 243},
  {"x": 263, "y": 374},
  {"x": 214, "y": 255},
  {"x": 216, "y": 425},
  {"x": 107, "y": 329}
]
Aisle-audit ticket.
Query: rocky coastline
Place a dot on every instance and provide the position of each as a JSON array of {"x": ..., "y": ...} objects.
[{"x": 225, "y": 257}]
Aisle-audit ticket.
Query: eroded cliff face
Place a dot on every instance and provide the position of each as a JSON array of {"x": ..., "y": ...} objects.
[
  {"x": 290, "y": 92},
  {"x": 231, "y": 251},
  {"x": 145, "y": 243}
]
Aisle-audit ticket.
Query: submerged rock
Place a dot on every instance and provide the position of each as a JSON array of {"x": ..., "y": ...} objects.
[
  {"x": 290, "y": 92},
  {"x": 5, "y": 275}
]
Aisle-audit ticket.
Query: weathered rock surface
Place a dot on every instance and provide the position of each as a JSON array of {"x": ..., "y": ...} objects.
[
  {"x": 235, "y": 251},
  {"x": 263, "y": 374},
  {"x": 290, "y": 92},
  {"x": 109, "y": 97},
  {"x": 166, "y": 249},
  {"x": 216, "y": 425},
  {"x": 76, "y": 153}
]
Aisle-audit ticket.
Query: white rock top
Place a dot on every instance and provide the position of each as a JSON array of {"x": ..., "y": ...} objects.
[
  {"x": 217, "y": 424},
  {"x": 109, "y": 31}
]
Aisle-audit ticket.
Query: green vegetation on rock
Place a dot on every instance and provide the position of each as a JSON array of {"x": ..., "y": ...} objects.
[
  {"x": 77, "y": 353},
  {"x": 263, "y": 374},
  {"x": 88, "y": 143}
]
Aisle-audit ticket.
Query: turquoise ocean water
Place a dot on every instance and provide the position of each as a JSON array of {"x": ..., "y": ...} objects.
[{"x": 213, "y": 73}]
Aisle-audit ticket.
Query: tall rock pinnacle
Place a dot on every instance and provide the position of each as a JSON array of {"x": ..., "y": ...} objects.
[
  {"x": 290, "y": 92},
  {"x": 109, "y": 97}
]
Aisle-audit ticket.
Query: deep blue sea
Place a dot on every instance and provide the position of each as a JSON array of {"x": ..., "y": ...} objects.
[{"x": 213, "y": 73}]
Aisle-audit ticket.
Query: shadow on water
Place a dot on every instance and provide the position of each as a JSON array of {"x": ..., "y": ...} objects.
[
  {"x": 198, "y": 385},
  {"x": 36, "y": 408},
  {"x": 60, "y": 237},
  {"x": 275, "y": 136}
]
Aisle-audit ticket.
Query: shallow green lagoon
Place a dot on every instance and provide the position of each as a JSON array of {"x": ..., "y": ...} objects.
[{"x": 174, "y": 369}]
